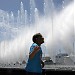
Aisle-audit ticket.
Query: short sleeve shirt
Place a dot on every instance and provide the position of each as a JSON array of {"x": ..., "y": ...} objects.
[{"x": 34, "y": 64}]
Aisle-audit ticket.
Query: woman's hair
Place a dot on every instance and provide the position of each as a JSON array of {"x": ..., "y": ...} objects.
[{"x": 36, "y": 36}]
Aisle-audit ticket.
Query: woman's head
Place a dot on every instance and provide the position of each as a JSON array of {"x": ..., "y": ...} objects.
[{"x": 38, "y": 38}]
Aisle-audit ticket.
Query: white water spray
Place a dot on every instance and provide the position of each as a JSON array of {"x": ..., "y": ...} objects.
[{"x": 61, "y": 36}]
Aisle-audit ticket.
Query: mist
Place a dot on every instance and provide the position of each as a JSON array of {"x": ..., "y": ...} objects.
[{"x": 57, "y": 30}]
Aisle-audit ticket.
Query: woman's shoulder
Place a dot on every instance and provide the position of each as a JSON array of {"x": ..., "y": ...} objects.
[{"x": 34, "y": 44}]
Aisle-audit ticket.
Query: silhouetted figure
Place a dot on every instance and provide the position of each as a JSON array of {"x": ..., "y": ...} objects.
[{"x": 35, "y": 64}]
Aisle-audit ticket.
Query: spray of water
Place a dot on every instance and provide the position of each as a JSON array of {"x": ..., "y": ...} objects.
[{"x": 57, "y": 30}]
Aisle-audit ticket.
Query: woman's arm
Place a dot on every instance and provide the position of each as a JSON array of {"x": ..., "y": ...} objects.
[
  {"x": 32, "y": 54},
  {"x": 42, "y": 63}
]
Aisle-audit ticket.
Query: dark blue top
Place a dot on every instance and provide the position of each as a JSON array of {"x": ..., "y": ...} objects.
[{"x": 34, "y": 64}]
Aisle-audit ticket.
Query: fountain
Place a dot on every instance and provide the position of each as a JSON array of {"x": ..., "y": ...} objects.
[{"x": 55, "y": 26}]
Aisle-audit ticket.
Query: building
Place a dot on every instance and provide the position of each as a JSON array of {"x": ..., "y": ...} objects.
[
  {"x": 63, "y": 59},
  {"x": 47, "y": 60}
]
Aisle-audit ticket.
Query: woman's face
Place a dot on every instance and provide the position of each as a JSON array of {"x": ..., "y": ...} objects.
[{"x": 41, "y": 39}]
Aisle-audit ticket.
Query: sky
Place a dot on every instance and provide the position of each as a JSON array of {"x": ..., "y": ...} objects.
[{"x": 14, "y": 5}]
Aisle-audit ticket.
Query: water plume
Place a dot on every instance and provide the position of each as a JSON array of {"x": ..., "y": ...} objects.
[{"x": 57, "y": 29}]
